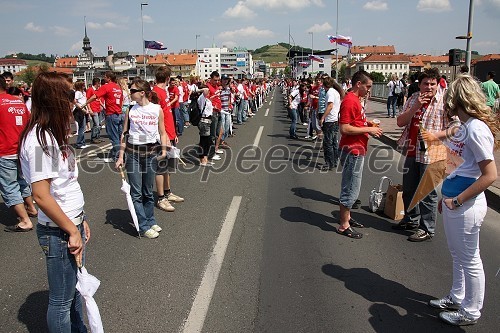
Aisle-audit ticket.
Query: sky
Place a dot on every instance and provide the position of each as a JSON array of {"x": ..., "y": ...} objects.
[{"x": 412, "y": 26}]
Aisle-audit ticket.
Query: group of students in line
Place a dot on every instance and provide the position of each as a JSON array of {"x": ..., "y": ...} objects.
[{"x": 442, "y": 124}]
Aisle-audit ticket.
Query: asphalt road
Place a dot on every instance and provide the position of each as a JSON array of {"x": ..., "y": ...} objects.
[{"x": 252, "y": 249}]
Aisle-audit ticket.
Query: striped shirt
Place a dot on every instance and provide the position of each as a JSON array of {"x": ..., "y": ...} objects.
[
  {"x": 225, "y": 98},
  {"x": 433, "y": 120}
]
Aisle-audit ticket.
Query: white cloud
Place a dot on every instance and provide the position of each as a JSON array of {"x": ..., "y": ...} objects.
[
  {"x": 485, "y": 44},
  {"x": 376, "y": 5},
  {"x": 94, "y": 25},
  {"x": 76, "y": 46},
  {"x": 110, "y": 25},
  {"x": 147, "y": 19},
  {"x": 320, "y": 27},
  {"x": 434, "y": 5},
  {"x": 105, "y": 25},
  {"x": 244, "y": 6},
  {"x": 230, "y": 44},
  {"x": 60, "y": 31},
  {"x": 248, "y": 32},
  {"x": 30, "y": 26},
  {"x": 240, "y": 10}
]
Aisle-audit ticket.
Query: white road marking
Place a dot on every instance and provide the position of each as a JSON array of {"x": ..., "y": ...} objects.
[
  {"x": 270, "y": 102},
  {"x": 267, "y": 112},
  {"x": 92, "y": 152},
  {"x": 257, "y": 137},
  {"x": 196, "y": 319}
]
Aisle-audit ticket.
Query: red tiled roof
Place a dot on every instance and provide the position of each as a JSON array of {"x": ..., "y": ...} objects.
[
  {"x": 373, "y": 49},
  {"x": 386, "y": 58},
  {"x": 487, "y": 57},
  {"x": 168, "y": 59},
  {"x": 277, "y": 65},
  {"x": 12, "y": 61},
  {"x": 66, "y": 62},
  {"x": 416, "y": 61}
]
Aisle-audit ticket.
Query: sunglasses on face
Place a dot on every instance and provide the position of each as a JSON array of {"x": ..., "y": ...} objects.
[{"x": 133, "y": 91}]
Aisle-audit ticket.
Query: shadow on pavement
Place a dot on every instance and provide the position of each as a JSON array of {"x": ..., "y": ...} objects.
[
  {"x": 297, "y": 214},
  {"x": 121, "y": 220},
  {"x": 385, "y": 296},
  {"x": 33, "y": 312},
  {"x": 307, "y": 193}
]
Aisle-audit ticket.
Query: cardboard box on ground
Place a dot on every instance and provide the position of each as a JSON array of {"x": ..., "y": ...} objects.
[{"x": 394, "y": 206}]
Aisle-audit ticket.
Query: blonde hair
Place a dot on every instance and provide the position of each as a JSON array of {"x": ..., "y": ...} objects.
[
  {"x": 466, "y": 93},
  {"x": 123, "y": 83}
]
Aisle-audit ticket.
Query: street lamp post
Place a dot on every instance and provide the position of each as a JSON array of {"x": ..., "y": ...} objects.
[
  {"x": 312, "y": 49},
  {"x": 143, "y": 46},
  {"x": 468, "y": 53},
  {"x": 196, "y": 52},
  {"x": 337, "y": 46}
]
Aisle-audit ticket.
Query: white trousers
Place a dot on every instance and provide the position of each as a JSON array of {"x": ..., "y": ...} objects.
[{"x": 461, "y": 226}]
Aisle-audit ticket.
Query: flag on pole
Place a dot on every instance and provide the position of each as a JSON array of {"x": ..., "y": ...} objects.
[
  {"x": 204, "y": 61},
  {"x": 341, "y": 40},
  {"x": 313, "y": 57},
  {"x": 235, "y": 69},
  {"x": 154, "y": 45},
  {"x": 225, "y": 66},
  {"x": 304, "y": 63}
]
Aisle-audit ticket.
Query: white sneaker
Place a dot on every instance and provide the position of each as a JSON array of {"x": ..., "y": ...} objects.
[
  {"x": 219, "y": 151},
  {"x": 107, "y": 160},
  {"x": 307, "y": 137},
  {"x": 216, "y": 157},
  {"x": 151, "y": 234},
  {"x": 174, "y": 198},
  {"x": 163, "y": 204},
  {"x": 305, "y": 124},
  {"x": 156, "y": 228}
]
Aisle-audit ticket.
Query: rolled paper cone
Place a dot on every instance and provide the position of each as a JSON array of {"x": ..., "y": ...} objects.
[
  {"x": 432, "y": 178},
  {"x": 78, "y": 258},
  {"x": 182, "y": 162}
]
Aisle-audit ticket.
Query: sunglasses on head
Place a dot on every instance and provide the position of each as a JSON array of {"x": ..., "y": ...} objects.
[{"x": 133, "y": 91}]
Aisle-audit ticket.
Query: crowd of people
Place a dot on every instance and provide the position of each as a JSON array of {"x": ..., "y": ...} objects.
[
  {"x": 144, "y": 121},
  {"x": 440, "y": 121}
]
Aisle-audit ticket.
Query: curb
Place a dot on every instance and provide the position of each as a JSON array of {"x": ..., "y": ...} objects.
[{"x": 492, "y": 193}]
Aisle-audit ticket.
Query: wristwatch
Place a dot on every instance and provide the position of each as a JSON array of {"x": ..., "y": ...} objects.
[{"x": 456, "y": 203}]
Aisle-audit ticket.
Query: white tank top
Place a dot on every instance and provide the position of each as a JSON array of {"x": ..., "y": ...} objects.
[{"x": 143, "y": 122}]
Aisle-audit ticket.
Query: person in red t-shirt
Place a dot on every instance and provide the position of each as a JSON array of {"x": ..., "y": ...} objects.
[
  {"x": 113, "y": 98},
  {"x": 214, "y": 89},
  {"x": 173, "y": 94},
  {"x": 16, "y": 193},
  {"x": 165, "y": 195},
  {"x": 353, "y": 145},
  {"x": 95, "y": 109}
]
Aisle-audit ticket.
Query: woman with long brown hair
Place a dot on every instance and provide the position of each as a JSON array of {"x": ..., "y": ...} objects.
[
  {"x": 48, "y": 163},
  {"x": 143, "y": 129},
  {"x": 464, "y": 204}
]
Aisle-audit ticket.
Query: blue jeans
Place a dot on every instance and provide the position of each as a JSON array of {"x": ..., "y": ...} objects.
[
  {"x": 331, "y": 143},
  {"x": 179, "y": 121},
  {"x": 391, "y": 103},
  {"x": 80, "y": 139},
  {"x": 96, "y": 127},
  {"x": 292, "y": 113},
  {"x": 225, "y": 121},
  {"x": 425, "y": 212},
  {"x": 241, "y": 115},
  {"x": 13, "y": 187},
  {"x": 65, "y": 304},
  {"x": 185, "y": 112},
  {"x": 114, "y": 128},
  {"x": 352, "y": 174},
  {"x": 141, "y": 176}
]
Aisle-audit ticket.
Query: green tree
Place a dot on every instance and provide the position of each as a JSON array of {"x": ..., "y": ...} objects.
[
  {"x": 377, "y": 77},
  {"x": 28, "y": 75},
  {"x": 342, "y": 71},
  {"x": 287, "y": 71}
]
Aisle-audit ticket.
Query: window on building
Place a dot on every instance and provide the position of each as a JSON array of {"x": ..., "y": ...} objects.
[{"x": 321, "y": 65}]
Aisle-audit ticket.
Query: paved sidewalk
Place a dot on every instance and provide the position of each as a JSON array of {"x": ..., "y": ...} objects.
[{"x": 392, "y": 132}]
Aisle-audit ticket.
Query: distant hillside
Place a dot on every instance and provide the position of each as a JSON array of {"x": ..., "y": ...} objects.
[{"x": 276, "y": 52}]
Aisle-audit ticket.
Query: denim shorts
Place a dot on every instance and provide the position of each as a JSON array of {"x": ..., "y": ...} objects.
[
  {"x": 352, "y": 173},
  {"x": 13, "y": 187}
]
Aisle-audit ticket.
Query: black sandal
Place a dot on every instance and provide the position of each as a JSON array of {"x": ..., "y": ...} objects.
[
  {"x": 356, "y": 224},
  {"x": 351, "y": 233}
]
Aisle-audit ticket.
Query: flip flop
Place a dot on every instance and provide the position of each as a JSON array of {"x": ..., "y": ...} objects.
[
  {"x": 33, "y": 215},
  {"x": 16, "y": 228},
  {"x": 356, "y": 224},
  {"x": 351, "y": 233}
]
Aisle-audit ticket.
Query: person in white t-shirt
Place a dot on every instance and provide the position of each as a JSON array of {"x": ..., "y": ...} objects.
[
  {"x": 48, "y": 163},
  {"x": 206, "y": 107},
  {"x": 293, "y": 104},
  {"x": 143, "y": 129},
  {"x": 464, "y": 204},
  {"x": 329, "y": 123}
]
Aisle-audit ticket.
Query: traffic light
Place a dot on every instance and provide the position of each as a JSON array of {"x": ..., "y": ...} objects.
[{"x": 454, "y": 57}]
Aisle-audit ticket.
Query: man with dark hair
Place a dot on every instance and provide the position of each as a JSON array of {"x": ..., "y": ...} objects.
[
  {"x": 16, "y": 193},
  {"x": 353, "y": 146},
  {"x": 464, "y": 69},
  {"x": 9, "y": 78},
  {"x": 113, "y": 99},
  {"x": 425, "y": 161},
  {"x": 490, "y": 89},
  {"x": 214, "y": 89}
]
